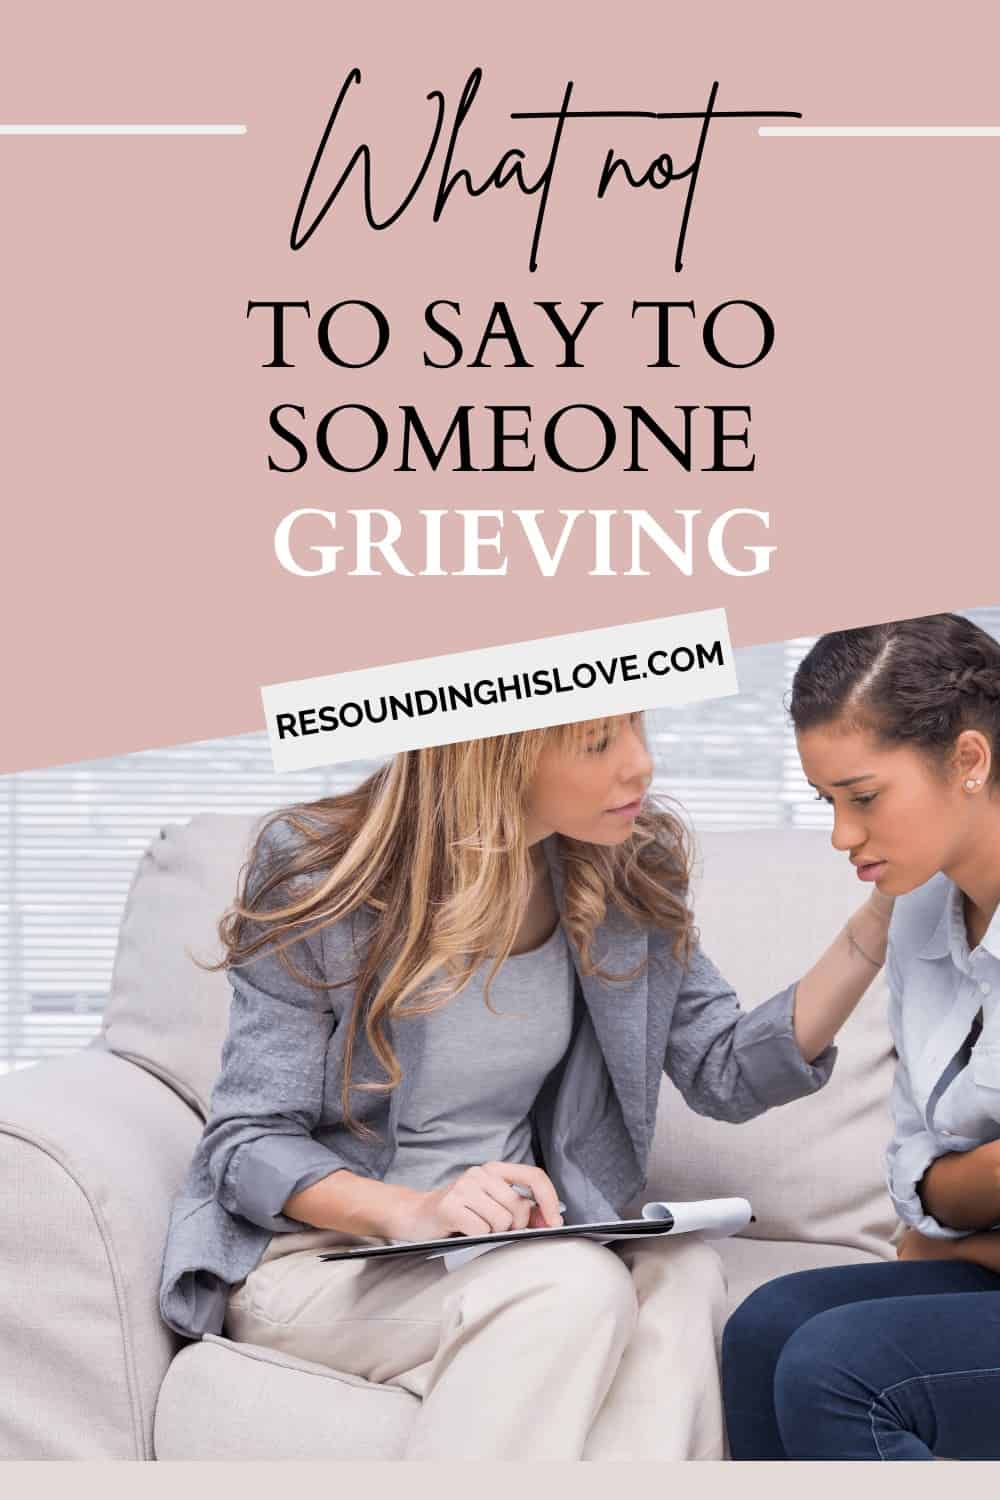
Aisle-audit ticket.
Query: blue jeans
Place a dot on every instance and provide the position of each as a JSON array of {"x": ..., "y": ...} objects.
[{"x": 899, "y": 1360}]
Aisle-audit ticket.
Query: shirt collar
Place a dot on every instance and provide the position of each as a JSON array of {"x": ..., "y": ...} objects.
[
  {"x": 938, "y": 945},
  {"x": 991, "y": 937},
  {"x": 949, "y": 938}
]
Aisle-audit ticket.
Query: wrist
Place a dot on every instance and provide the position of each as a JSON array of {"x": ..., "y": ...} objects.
[
  {"x": 345, "y": 1201},
  {"x": 878, "y": 910},
  {"x": 981, "y": 1249},
  {"x": 395, "y": 1210},
  {"x": 868, "y": 932},
  {"x": 377, "y": 1209}
]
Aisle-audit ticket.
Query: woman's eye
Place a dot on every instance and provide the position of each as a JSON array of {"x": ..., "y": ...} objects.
[
  {"x": 599, "y": 748},
  {"x": 864, "y": 800},
  {"x": 821, "y": 797}
]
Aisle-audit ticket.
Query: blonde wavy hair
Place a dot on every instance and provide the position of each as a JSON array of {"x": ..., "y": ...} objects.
[{"x": 434, "y": 845}]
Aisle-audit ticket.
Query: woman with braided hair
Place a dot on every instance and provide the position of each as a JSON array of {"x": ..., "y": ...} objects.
[{"x": 898, "y": 728}]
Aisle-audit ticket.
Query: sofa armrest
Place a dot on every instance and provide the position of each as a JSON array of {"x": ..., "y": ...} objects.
[{"x": 92, "y": 1149}]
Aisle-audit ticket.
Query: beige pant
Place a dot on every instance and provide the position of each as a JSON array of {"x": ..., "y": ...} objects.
[{"x": 561, "y": 1350}]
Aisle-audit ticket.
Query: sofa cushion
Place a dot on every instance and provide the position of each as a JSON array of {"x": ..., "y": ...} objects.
[
  {"x": 163, "y": 1010},
  {"x": 91, "y": 1152},
  {"x": 750, "y": 1263},
  {"x": 277, "y": 1407},
  {"x": 274, "y": 1408}
]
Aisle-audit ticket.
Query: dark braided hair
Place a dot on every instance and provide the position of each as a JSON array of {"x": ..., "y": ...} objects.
[{"x": 914, "y": 682}]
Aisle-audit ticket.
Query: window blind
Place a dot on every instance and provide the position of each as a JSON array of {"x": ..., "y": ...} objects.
[{"x": 71, "y": 836}]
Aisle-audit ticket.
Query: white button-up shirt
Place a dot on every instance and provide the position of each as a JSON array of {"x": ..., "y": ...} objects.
[{"x": 942, "y": 1101}]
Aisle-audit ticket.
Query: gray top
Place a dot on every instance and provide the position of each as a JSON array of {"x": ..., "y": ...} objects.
[
  {"x": 481, "y": 1069},
  {"x": 276, "y": 1123}
]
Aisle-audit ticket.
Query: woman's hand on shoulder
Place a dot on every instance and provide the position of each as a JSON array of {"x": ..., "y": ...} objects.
[{"x": 483, "y": 1200}]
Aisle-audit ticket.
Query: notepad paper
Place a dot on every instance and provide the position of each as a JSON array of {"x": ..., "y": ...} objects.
[{"x": 715, "y": 1218}]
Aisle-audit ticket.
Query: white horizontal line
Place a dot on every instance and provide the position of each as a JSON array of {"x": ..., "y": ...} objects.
[
  {"x": 888, "y": 130},
  {"x": 123, "y": 130}
]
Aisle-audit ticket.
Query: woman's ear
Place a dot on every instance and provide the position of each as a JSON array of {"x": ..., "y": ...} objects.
[{"x": 973, "y": 759}]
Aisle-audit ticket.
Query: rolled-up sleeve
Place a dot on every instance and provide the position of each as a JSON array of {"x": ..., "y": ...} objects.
[
  {"x": 258, "y": 1144},
  {"x": 734, "y": 1064}
]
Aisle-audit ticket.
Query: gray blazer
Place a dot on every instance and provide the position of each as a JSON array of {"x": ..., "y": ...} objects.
[{"x": 275, "y": 1122}]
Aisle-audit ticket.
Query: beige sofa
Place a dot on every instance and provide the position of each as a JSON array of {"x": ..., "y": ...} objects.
[{"x": 92, "y": 1147}]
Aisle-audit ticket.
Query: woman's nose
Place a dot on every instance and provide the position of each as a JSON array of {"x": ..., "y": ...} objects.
[
  {"x": 847, "y": 833},
  {"x": 637, "y": 763}
]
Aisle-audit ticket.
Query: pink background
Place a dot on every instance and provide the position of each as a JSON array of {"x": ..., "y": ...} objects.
[{"x": 142, "y": 602}]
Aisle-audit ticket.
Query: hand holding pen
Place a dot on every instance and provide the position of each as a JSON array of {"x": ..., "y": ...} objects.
[{"x": 491, "y": 1198}]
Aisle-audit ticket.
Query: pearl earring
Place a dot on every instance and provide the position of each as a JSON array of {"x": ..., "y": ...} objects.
[{"x": 972, "y": 783}]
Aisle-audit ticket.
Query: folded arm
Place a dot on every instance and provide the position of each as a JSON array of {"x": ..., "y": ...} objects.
[
  {"x": 940, "y": 1195},
  {"x": 962, "y": 1189},
  {"x": 951, "y": 1202}
]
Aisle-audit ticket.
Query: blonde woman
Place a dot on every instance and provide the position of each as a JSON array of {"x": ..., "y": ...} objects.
[{"x": 454, "y": 992}]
